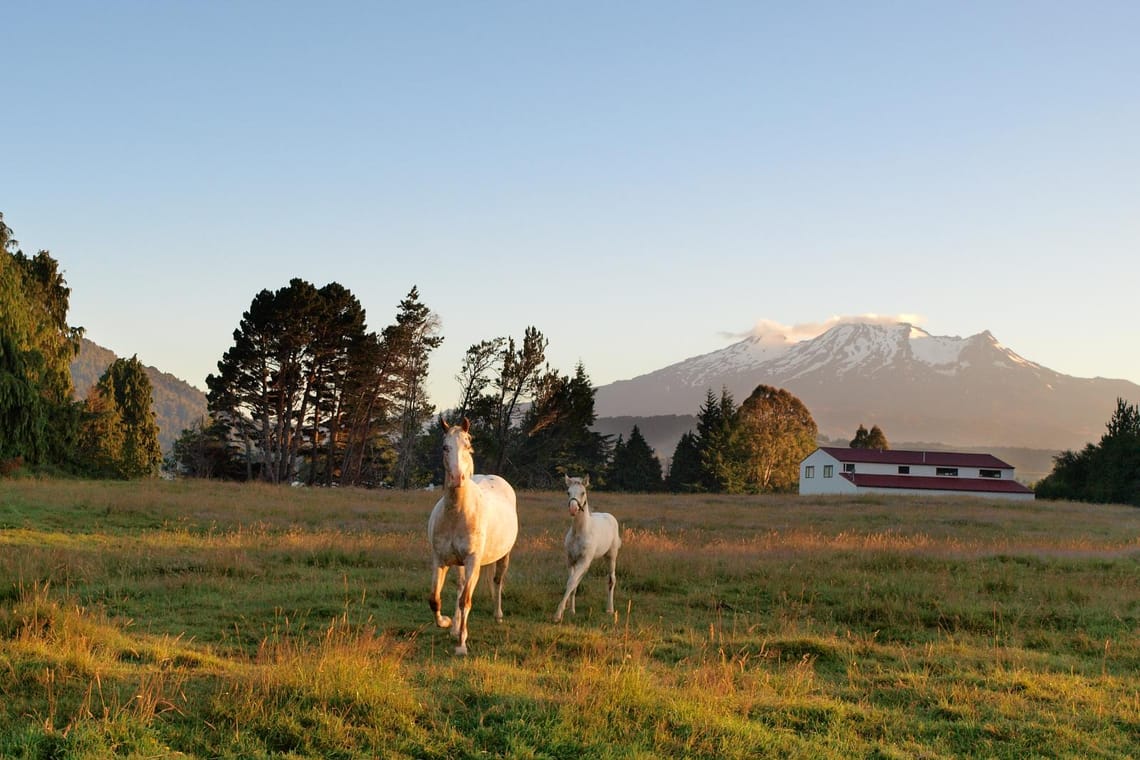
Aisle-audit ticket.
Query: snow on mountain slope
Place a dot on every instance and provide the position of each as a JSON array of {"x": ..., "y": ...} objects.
[{"x": 914, "y": 385}]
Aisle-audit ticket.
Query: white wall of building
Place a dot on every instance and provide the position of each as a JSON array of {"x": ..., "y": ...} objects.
[{"x": 813, "y": 479}]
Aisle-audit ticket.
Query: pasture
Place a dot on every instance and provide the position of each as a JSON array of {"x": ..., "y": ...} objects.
[{"x": 214, "y": 620}]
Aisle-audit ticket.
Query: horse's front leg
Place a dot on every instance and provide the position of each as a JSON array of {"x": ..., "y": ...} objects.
[
  {"x": 466, "y": 592},
  {"x": 576, "y": 573},
  {"x": 443, "y": 621},
  {"x": 461, "y": 580},
  {"x": 497, "y": 585}
]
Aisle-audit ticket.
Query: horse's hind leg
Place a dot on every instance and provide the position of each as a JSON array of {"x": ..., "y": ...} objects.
[
  {"x": 612, "y": 582},
  {"x": 497, "y": 585}
]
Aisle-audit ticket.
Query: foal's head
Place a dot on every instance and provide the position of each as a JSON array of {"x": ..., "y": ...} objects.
[
  {"x": 458, "y": 466},
  {"x": 576, "y": 490}
]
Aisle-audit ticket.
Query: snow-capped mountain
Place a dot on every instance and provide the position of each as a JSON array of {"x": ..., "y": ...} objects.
[{"x": 914, "y": 385}]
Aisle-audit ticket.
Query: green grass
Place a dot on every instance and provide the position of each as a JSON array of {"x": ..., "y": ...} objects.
[{"x": 212, "y": 620}]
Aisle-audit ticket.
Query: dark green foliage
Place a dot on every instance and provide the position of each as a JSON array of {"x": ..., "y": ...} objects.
[
  {"x": 306, "y": 392},
  {"x": 557, "y": 439},
  {"x": 714, "y": 432},
  {"x": 1108, "y": 472},
  {"x": 873, "y": 439},
  {"x": 36, "y": 346},
  {"x": 22, "y": 417},
  {"x": 177, "y": 405},
  {"x": 635, "y": 467},
  {"x": 127, "y": 391},
  {"x": 685, "y": 469},
  {"x": 514, "y": 376},
  {"x": 200, "y": 452},
  {"x": 755, "y": 448}
]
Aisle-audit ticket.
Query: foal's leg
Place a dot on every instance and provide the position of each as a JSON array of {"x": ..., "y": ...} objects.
[
  {"x": 576, "y": 573},
  {"x": 497, "y": 586},
  {"x": 433, "y": 598},
  {"x": 466, "y": 591}
]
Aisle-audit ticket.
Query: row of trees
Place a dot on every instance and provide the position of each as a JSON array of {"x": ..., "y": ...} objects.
[
  {"x": 1105, "y": 472},
  {"x": 753, "y": 448},
  {"x": 112, "y": 432}
]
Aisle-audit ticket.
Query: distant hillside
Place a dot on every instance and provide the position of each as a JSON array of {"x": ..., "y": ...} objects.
[
  {"x": 963, "y": 392},
  {"x": 177, "y": 404}
]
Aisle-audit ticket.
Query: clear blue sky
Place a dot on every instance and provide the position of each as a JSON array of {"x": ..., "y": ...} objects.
[{"x": 639, "y": 180}]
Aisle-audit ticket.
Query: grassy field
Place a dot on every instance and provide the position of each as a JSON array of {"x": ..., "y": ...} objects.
[{"x": 210, "y": 620}]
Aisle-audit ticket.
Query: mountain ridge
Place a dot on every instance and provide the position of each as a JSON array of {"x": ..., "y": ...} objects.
[
  {"x": 970, "y": 391},
  {"x": 177, "y": 404}
]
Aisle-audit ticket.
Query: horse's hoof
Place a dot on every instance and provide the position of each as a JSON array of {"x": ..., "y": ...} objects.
[
  {"x": 443, "y": 622},
  {"x": 557, "y": 618},
  {"x": 461, "y": 650}
]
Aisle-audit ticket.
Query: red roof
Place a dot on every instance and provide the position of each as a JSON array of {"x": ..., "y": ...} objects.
[
  {"x": 936, "y": 458},
  {"x": 936, "y": 483}
]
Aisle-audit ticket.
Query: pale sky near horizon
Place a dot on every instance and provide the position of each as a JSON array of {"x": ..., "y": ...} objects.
[{"x": 641, "y": 181}]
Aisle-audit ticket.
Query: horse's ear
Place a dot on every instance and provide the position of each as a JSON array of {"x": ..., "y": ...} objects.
[
  {"x": 466, "y": 424},
  {"x": 567, "y": 480},
  {"x": 443, "y": 423},
  {"x": 586, "y": 480}
]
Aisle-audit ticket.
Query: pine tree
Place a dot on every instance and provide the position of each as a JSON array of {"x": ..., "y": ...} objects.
[
  {"x": 125, "y": 435},
  {"x": 685, "y": 470},
  {"x": 412, "y": 339},
  {"x": 715, "y": 422},
  {"x": 869, "y": 439},
  {"x": 635, "y": 468},
  {"x": 557, "y": 439}
]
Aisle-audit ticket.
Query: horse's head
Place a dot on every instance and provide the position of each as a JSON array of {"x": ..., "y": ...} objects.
[
  {"x": 458, "y": 466},
  {"x": 576, "y": 491}
]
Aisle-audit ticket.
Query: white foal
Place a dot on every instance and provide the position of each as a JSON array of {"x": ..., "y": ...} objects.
[
  {"x": 591, "y": 535},
  {"x": 474, "y": 524}
]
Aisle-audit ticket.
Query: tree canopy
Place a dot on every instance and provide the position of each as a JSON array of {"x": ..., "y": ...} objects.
[
  {"x": 1107, "y": 472},
  {"x": 756, "y": 447},
  {"x": 869, "y": 439}
]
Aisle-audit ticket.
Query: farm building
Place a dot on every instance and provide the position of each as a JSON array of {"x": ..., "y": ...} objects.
[{"x": 838, "y": 470}]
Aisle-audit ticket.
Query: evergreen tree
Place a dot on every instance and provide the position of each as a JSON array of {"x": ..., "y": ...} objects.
[
  {"x": 480, "y": 359},
  {"x": 774, "y": 432},
  {"x": 201, "y": 452},
  {"x": 514, "y": 378},
  {"x": 557, "y": 438},
  {"x": 412, "y": 339},
  {"x": 715, "y": 422},
  {"x": 125, "y": 435},
  {"x": 685, "y": 470},
  {"x": 102, "y": 435},
  {"x": 1108, "y": 472},
  {"x": 872, "y": 439},
  {"x": 635, "y": 468},
  {"x": 36, "y": 348}
]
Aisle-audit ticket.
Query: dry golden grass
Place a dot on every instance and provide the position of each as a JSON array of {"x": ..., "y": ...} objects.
[{"x": 220, "y": 620}]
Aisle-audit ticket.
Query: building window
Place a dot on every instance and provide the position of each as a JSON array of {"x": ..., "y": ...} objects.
[
  {"x": 828, "y": 470},
  {"x": 849, "y": 467},
  {"x": 951, "y": 471},
  {"x": 904, "y": 469},
  {"x": 989, "y": 473},
  {"x": 809, "y": 471}
]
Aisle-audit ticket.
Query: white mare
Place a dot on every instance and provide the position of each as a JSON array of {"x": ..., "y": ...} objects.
[
  {"x": 591, "y": 535},
  {"x": 475, "y": 523}
]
